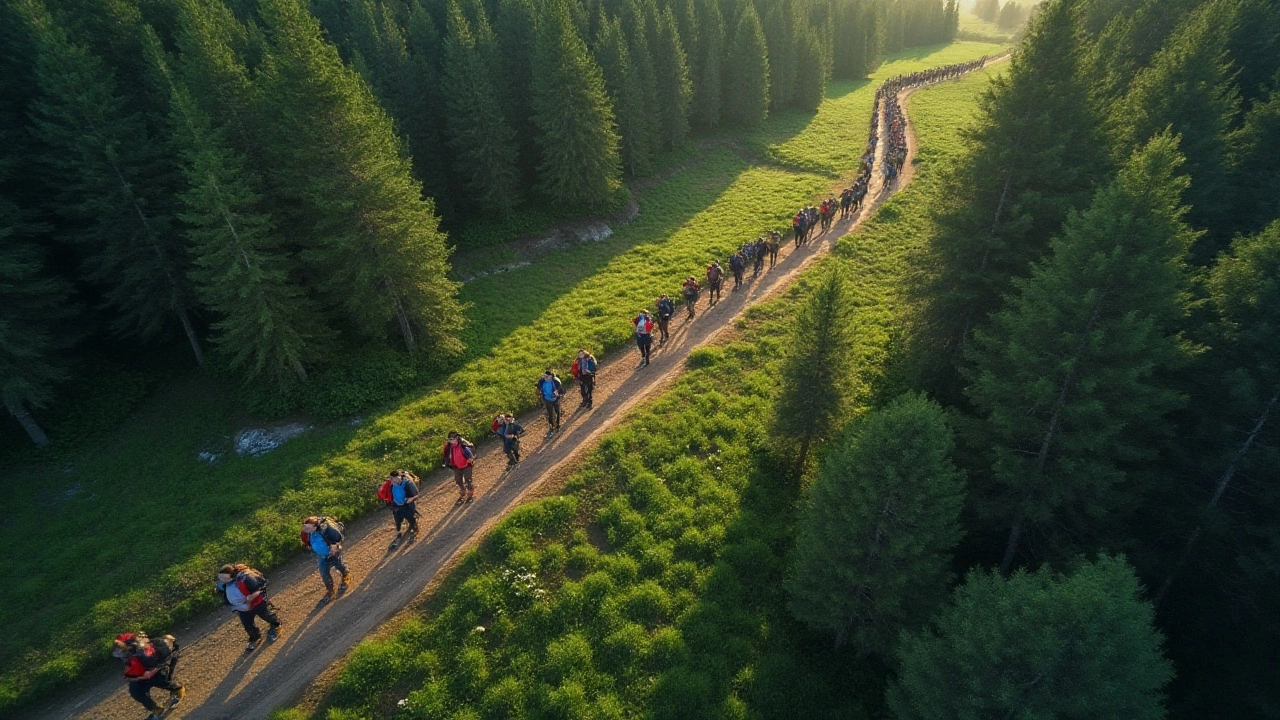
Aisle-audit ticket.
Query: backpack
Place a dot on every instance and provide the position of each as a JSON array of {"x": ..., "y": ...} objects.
[
  {"x": 331, "y": 530},
  {"x": 254, "y": 581}
]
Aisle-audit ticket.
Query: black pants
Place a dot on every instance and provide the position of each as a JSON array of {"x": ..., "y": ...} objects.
[
  {"x": 406, "y": 512},
  {"x": 511, "y": 446},
  {"x": 140, "y": 690},
  {"x": 737, "y": 279},
  {"x": 587, "y": 384},
  {"x": 553, "y": 412},
  {"x": 264, "y": 610},
  {"x": 755, "y": 272},
  {"x": 773, "y": 256},
  {"x": 664, "y": 321},
  {"x": 714, "y": 292},
  {"x": 644, "y": 342}
]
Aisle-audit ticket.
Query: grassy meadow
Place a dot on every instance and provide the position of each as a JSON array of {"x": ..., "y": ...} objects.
[
  {"x": 652, "y": 587},
  {"x": 123, "y": 532}
]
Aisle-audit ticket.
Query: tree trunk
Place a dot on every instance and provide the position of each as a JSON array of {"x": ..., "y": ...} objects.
[
  {"x": 19, "y": 412},
  {"x": 406, "y": 329},
  {"x": 191, "y": 335},
  {"x": 1218, "y": 492}
]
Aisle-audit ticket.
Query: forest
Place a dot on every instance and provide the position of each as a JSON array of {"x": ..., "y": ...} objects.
[{"x": 269, "y": 184}]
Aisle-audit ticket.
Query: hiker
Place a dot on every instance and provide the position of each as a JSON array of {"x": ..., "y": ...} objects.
[
  {"x": 775, "y": 244},
  {"x": 644, "y": 335},
  {"x": 459, "y": 455},
  {"x": 797, "y": 228},
  {"x": 715, "y": 277},
  {"x": 511, "y": 432},
  {"x": 691, "y": 289},
  {"x": 324, "y": 537},
  {"x": 245, "y": 590},
  {"x": 496, "y": 426},
  {"x": 149, "y": 664},
  {"x": 736, "y": 266},
  {"x": 587, "y": 366},
  {"x": 666, "y": 309},
  {"x": 759, "y": 248},
  {"x": 400, "y": 493}
]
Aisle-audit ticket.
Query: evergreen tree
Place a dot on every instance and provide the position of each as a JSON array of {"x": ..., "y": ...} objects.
[
  {"x": 483, "y": 144},
  {"x": 1034, "y": 153},
  {"x": 1067, "y": 377},
  {"x": 811, "y": 73},
  {"x": 1037, "y": 645},
  {"x": 1255, "y": 166},
  {"x": 781, "y": 27},
  {"x": 622, "y": 81},
  {"x": 635, "y": 22},
  {"x": 675, "y": 90},
  {"x": 576, "y": 132},
  {"x": 114, "y": 184},
  {"x": 240, "y": 270},
  {"x": 515, "y": 25},
  {"x": 850, "y": 40},
  {"x": 1187, "y": 87},
  {"x": 1253, "y": 47},
  {"x": 878, "y": 526},
  {"x": 211, "y": 45},
  {"x": 1010, "y": 16},
  {"x": 424, "y": 123},
  {"x": 708, "y": 77},
  {"x": 815, "y": 369},
  {"x": 747, "y": 72},
  {"x": 343, "y": 190}
]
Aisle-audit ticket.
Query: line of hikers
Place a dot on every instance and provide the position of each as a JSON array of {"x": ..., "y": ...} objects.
[{"x": 150, "y": 662}]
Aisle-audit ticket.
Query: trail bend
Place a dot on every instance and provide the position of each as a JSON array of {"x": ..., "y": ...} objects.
[{"x": 224, "y": 683}]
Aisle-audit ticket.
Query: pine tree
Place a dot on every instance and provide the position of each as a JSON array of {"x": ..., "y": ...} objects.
[
  {"x": 849, "y": 60},
  {"x": 622, "y": 81},
  {"x": 240, "y": 270},
  {"x": 814, "y": 375},
  {"x": 576, "y": 133},
  {"x": 424, "y": 125},
  {"x": 675, "y": 90},
  {"x": 1037, "y": 645},
  {"x": 484, "y": 146},
  {"x": 1187, "y": 87},
  {"x": 343, "y": 190},
  {"x": 780, "y": 31},
  {"x": 115, "y": 182},
  {"x": 708, "y": 79},
  {"x": 515, "y": 26},
  {"x": 1255, "y": 166},
  {"x": 747, "y": 72},
  {"x": 878, "y": 526},
  {"x": 636, "y": 24},
  {"x": 811, "y": 73},
  {"x": 1068, "y": 375},
  {"x": 1035, "y": 152}
]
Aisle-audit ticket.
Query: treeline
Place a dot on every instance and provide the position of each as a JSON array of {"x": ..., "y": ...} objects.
[
  {"x": 268, "y": 177},
  {"x": 1006, "y": 16},
  {"x": 1097, "y": 319}
]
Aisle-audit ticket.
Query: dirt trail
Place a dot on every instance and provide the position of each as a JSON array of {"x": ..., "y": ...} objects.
[{"x": 223, "y": 682}]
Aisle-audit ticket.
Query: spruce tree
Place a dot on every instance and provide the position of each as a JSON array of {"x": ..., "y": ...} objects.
[
  {"x": 577, "y": 137},
  {"x": 622, "y": 81},
  {"x": 515, "y": 26},
  {"x": 114, "y": 185},
  {"x": 1037, "y": 645},
  {"x": 781, "y": 27},
  {"x": 1188, "y": 87},
  {"x": 1068, "y": 377},
  {"x": 342, "y": 189},
  {"x": 240, "y": 269},
  {"x": 483, "y": 144},
  {"x": 424, "y": 125},
  {"x": 811, "y": 73},
  {"x": 1035, "y": 152},
  {"x": 878, "y": 526},
  {"x": 1255, "y": 166},
  {"x": 747, "y": 72},
  {"x": 708, "y": 79},
  {"x": 815, "y": 368},
  {"x": 675, "y": 90}
]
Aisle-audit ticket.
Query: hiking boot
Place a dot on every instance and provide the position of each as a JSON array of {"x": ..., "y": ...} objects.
[
  {"x": 328, "y": 595},
  {"x": 250, "y": 648},
  {"x": 156, "y": 714},
  {"x": 471, "y": 495},
  {"x": 273, "y": 634},
  {"x": 394, "y": 543},
  {"x": 346, "y": 578},
  {"x": 176, "y": 697},
  {"x": 413, "y": 535}
]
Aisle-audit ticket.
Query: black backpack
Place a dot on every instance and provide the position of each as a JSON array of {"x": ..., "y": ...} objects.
[{"x": 331, "y": 530}]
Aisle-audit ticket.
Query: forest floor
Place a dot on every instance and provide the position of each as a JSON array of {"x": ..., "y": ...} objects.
[{"x": 224, "y": 682}]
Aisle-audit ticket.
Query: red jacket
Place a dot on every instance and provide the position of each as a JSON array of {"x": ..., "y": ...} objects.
[
  {"x": 644, "y": 324},
  {"x": 384, "y": 492}
]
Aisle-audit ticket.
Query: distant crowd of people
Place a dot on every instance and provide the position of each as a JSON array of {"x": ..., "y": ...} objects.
[{"x": 150, "y": 662}]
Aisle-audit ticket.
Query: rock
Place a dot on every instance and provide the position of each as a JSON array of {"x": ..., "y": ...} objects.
[
  {"x": 258, "y": 441},
  {"x": 209, "y": 457}
]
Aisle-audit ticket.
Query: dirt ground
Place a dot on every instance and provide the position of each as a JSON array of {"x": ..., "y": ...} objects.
[{"x": 224, "y": 682}]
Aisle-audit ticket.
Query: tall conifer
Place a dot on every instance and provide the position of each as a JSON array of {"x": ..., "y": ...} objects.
[
  {"x": 344, "y": 190},
  {"x": 707, "y": 100},
  {"x": 622, "y": 81},
  {"x": 577, "y": 138},
  {"x": 1068, "y": 378},
  {"x": 671, "y": 66},
  {"x": 747, "y": 73}
]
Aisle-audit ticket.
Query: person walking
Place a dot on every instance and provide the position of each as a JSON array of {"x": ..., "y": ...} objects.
[
  {"x": 587, "y": 367},
  {"x": 666, "y": 309},
  {"x": 736, "y": 265},
  {"x": 644, "y": 335},
  {"x": 324, "y": 537},
  {"x": 715, "y": 277},
  {"x": 400, "y": 493},
  {"x": 245, "y": 590},
  {"x": 150, "y": 664},
  {"x": 511, "y": 432},
  {"x": 760, "y": 248},
  {"x": 459, "y": 455},
  {"x": 775, "y": 244},
  {"x": 691, "y": 290}
]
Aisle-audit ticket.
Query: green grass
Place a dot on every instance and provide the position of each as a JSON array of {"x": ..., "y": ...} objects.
[
  {"x": 652, "y": 586},
  {"x": 125, "y": 533},
  {"x": 973, "y": 27}
]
